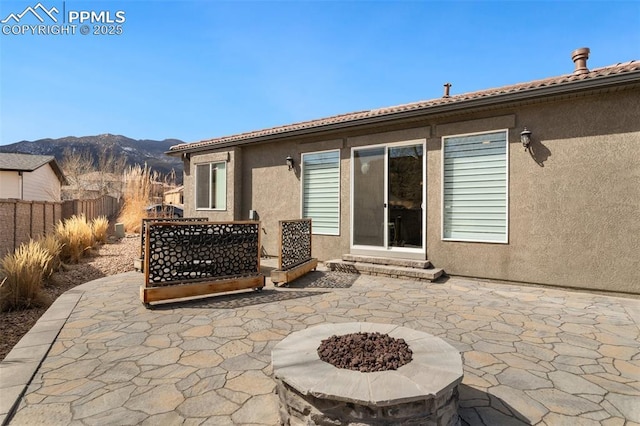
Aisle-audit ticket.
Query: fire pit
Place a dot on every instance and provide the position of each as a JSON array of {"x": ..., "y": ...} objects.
[{"x": 421, "y": 391}]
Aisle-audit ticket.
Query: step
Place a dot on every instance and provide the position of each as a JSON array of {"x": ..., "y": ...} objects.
[
  {"x": 408, "y": 263},
  {"x": 385, "y": 270}
]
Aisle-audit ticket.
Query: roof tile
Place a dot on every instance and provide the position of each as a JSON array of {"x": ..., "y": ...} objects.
[{"x": 618, "y": 68}]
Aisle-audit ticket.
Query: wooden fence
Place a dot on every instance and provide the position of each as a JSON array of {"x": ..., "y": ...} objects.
[
  {"x": 21, "y": 220},
  {"x": 104, "y": 206}
]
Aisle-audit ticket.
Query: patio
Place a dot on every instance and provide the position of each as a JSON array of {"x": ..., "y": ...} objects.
[{"x": 531, "y": 355}]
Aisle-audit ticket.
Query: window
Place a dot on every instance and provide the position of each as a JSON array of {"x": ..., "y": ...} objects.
[
  {"x": 321, "y": 191},
  {"x": 475, "y": 170},
  {"x": 211, "y": 186}
]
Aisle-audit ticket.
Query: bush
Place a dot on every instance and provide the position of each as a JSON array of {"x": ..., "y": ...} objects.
[
  {"x": 53, "y": 246},
  {"x": 99, "y": 227},
  {"x": 23, "y": 271},
  {"x": 76, "y": 237},
  {"x": 137, "y": 195}
]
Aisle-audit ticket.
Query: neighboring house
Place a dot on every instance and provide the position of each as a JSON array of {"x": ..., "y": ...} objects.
[
  {"x": 30, "y": 177},
  {"x": 93, "y": 185},
  {"x": 449, "y": 180},
  {"x": 174, "y": 196}
]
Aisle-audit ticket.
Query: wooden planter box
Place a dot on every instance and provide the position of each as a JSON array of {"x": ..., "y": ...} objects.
[{"x": 187, "y": 259}]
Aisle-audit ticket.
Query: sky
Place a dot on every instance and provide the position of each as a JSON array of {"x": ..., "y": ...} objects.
[{"x": 195, "y": 70}]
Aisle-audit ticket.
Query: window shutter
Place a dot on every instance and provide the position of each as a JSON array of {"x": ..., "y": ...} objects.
[
  {"x": 321, "y": 191},
  {"x": 475, "y": 187}
]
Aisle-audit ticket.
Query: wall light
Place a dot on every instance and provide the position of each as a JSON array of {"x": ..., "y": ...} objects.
[
  {"x": 525, "y": 138},
  {"x": 290, "y": 162}
]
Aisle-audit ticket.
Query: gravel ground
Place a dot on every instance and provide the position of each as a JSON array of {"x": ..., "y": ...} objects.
[{"x": 112, "y": 258}]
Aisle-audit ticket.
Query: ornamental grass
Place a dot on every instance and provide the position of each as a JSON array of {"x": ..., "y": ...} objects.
[
  {"x": 137, "y": 195},
  {"x": 76, "y": 236},
  {"x": 99, "y": 227},
  {"x": 23, "y": 272},
  {"x": 52, "y": 245}
]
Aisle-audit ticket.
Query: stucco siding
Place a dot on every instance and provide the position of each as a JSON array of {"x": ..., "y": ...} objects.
[
  {"x": 574, "y": 198},
  {"x": 228, "y": 157},
  {"x": 10, "y": 184},
  {"x": 574, "y": 203}
]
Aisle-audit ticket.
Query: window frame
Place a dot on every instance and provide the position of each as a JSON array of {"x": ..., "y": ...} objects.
[
  {"x": 442, "y": 189},
  {"x": 211, "y": 165},
  {"x": 302, "y": 192}
]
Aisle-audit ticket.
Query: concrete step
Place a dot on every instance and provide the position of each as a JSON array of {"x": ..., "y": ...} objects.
[
  {"x": 407, "y": 263},
  {"x": 418, "y": 274}
]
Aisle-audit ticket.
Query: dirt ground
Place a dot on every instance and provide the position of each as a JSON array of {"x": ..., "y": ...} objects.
[{"x": 111, "y": 258}]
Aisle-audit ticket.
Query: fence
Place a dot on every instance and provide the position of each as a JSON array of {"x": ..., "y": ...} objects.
[
  {"x": 21, "y": 220},
  {"x": 294, "y": 258},
  {"x": 104, "y": 206},
  {"x": 184, "y": 259}
]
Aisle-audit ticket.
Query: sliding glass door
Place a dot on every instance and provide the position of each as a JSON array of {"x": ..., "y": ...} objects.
[{"x": 388, "y": 194}]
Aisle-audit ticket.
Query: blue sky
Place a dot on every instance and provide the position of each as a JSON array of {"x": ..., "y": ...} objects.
[{"x": 195, "y": 70}]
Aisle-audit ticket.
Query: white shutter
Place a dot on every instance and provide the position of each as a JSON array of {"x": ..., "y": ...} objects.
[
  {"x": 475, "y": 187},
  {"x": 321, "y": 191}
]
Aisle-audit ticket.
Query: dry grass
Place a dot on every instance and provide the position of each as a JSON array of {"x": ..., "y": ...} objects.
[
  {"x": 53, "y": 246},
  {"x": 23, "y": 271},
  {"x": 99, "y": 227},
  {"x": 137, "y": 196},
  {"x": 76, "y": 237}
]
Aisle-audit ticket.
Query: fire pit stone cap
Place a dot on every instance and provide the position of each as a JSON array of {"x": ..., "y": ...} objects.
[{"x": 436, "y": 367}]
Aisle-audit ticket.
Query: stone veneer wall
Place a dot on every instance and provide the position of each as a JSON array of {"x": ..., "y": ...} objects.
[{"x": 298, "y": 409}]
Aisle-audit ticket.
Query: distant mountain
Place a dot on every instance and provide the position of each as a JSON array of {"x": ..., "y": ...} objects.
[{"x": 135, "y": 151}]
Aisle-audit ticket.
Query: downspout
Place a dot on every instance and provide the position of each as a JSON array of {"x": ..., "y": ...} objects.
[{"x": 21, "y": 185}]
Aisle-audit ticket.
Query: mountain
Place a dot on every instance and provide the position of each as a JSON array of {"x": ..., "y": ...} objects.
[{"x": 135, "y": 151}]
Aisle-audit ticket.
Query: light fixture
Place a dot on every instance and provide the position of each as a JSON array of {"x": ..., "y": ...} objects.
[
  {"x": 525, "y": 138},
  {"x": 289, "y": 162},
  {"x": 364, "y": 168}
]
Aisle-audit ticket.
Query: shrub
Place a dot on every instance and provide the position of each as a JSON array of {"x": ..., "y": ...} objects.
[
  {"x": 23, "y": 271},
  {"x": 76, "y": 237},
  {"x": 99, "y": 227},
  {"x": 53, "y": 246},
  {"x": 137, "y": 196}
]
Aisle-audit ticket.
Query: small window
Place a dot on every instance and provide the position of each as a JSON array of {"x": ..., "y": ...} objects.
[
  {"x": 475, "y": 196},
  {"x": 321, "y": 191},
  {"x": 211, "y": 186}
]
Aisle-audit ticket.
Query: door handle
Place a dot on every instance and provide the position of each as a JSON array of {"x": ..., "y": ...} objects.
[{"x": 385, "y": 205}]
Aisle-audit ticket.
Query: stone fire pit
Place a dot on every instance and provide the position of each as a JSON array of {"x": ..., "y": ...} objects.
[{"x": 312, "y": 391}]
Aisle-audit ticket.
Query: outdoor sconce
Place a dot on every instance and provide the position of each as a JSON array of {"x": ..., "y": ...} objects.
[
  {"x": 289, "y": 162},
  {"x": 525, "y": 138}
]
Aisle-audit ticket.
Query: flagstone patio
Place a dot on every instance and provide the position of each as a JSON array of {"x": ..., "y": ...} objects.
[{"x": 531, "y": 355}]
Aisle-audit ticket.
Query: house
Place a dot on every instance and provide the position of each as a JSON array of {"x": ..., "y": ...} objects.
[
  {"x": 174, "y": 196},
  {"x": 30, "y": 177},
  {"x": 537, "y": 182}
]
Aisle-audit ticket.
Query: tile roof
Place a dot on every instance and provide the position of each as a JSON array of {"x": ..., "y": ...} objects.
[
  {"x": 29, "y": 163},
  {"x": 560, "y": 81}
]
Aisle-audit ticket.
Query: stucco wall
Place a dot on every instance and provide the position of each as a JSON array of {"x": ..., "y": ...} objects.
[
  {"x": 232, "y": 159},
  {"x": 574, "y": 205},
  {"x": 274, "y": 192},
  {"x": 574, "y": 201}
]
